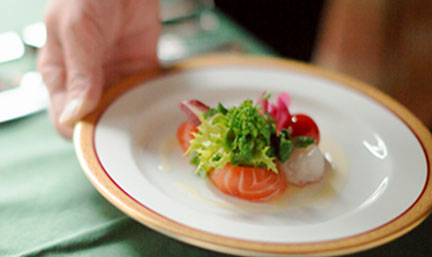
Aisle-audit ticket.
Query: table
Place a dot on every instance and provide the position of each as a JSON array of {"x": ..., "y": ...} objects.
[{"x": 49, "y": 208}]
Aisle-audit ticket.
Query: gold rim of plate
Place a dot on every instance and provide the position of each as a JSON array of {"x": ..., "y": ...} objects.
[{"x": 84, "y": 133}]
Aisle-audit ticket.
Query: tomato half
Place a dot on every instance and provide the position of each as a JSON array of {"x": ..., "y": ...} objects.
[
  {"x": 303, "y": 125},
  {"x": 184, "y": 134}
]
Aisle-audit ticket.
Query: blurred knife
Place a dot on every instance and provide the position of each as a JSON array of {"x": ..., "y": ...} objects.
[{"x": 29, "y": 97}]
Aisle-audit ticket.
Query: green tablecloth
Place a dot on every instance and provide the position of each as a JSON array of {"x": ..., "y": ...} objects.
[{"x": 49, "y": 208}]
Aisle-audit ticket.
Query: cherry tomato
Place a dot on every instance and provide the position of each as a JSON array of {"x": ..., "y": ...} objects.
[
  {"x": 303, "y": 125},
  {"x": 184, "y": 134}
]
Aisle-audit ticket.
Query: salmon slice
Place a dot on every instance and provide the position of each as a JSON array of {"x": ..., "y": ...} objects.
[{"x": 249, "y": 183}]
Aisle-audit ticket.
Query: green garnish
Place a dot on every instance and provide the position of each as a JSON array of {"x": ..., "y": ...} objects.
[
  {"x": 286, "y": 145},
  {"x": 303, "y": 141},
  {"x": 240, "y": 136}
]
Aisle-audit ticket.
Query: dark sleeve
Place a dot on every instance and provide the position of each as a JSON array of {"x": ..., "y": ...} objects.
[{"x": 289, "y": 27}]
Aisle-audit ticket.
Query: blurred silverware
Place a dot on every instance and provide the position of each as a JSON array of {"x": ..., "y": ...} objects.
[
  {"x": 34, "y": 35},
  {"x": 29, "y": 97},
  {"x": 11, "y": 46}
]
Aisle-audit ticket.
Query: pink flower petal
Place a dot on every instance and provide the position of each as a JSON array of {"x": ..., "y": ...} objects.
[
  {"x": 279, "y": 111},
  {"x": 284, "y": 99}
]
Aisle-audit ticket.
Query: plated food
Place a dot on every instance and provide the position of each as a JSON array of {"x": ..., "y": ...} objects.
[
  {"x": 385, "y": 192},
  {"x": 252, "y": 151}
]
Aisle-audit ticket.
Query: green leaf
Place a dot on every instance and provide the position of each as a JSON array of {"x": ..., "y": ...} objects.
[
  {"x": 210, "y": 112},
  {"x": 194, "y": 159},
  {"x": 286, "y": 146},
  {"x": 303, "y": 141},
  {"x": 221, "y": 109}
]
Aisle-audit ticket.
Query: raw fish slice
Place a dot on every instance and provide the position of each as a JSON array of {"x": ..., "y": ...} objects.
[{"x": 253, "y": 184}]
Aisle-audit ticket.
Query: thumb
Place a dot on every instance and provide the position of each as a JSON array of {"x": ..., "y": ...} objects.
[{"x": 84, "y": 77}]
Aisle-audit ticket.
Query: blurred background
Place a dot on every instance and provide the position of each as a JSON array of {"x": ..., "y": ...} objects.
[{"x": 387, "y": 44}]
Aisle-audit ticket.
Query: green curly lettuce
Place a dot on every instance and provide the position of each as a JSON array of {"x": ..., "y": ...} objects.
[{"x": 208, "y": 148}]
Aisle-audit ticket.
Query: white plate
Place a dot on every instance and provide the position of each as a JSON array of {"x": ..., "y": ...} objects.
[{"x": 128, "y": 150}]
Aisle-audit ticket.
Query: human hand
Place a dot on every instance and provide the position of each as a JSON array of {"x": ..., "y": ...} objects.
[{"x": 91, "y": 44}]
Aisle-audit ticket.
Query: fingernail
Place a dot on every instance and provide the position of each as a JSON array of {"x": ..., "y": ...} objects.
[{"x": 71, "y": 111}]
